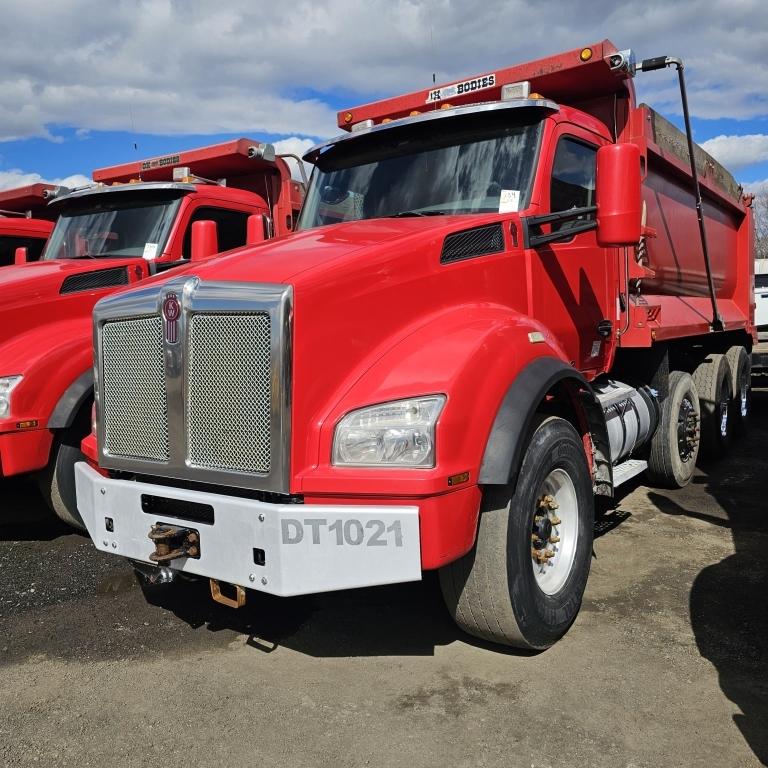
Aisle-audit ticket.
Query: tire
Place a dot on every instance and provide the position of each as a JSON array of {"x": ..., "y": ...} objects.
[
  {"x": 741, "y": 387},
  {"x": 675, "y": 443},
  {"x": 713, "y": 383},
  {"x": 57, "y": 483},
  {"x": 492, "y": 592}
]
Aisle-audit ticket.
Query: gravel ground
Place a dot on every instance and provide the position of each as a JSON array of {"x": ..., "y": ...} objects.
[{"x": 666, "y": 665}]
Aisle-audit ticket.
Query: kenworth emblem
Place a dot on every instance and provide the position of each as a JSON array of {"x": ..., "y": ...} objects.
[{"x": 171, "y": 312}]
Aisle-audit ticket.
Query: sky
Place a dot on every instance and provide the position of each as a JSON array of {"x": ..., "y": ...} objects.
[{"x": 88, "y": 83}]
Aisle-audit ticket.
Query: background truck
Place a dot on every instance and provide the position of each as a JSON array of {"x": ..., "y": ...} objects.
[
  {"x": 137, "y": 220},
  {"x": 499, "y": 306},
  {"x": 25, "y": 222}
]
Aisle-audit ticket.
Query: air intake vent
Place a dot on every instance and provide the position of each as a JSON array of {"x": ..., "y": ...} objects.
[
  {"x": 472, "y": 242},
  {"x": 88, "y": 281}
]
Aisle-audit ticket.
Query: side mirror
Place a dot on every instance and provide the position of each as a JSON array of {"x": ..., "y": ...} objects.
[
  {"x": 619, "y": 202},
  {"x": 255, "y": 229},
  {"x": 20, "y": 256},
  {"x": 205, "y": 240}
]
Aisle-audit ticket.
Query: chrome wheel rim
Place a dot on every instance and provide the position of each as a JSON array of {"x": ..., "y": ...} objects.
[
  {"x": 744, "y": 392},
  {"x": 555, "y": 532},
  {"x": 724, "y": 413}
]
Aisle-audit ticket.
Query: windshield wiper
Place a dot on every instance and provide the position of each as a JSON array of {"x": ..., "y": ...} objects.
[
  {"x": 404, "y": 214},
  {"x": 85, "y": 256}
]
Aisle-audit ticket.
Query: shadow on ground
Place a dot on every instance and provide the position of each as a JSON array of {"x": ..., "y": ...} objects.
[
  {"x": 729, "y": 599},
  {"x": 24, "y": 515}
]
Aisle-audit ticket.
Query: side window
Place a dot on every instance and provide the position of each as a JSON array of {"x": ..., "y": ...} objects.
[
  {"x": 573, "y": 178},
  {"x": 8, "y": 246},
  {"x": 231, "y": 227}
]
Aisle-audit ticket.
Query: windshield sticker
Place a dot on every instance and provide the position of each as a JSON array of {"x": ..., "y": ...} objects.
[
  {"x": 150, "y": 251},
  {"x": 459, "y": 89},
  {"x": 509, "y": 201}
]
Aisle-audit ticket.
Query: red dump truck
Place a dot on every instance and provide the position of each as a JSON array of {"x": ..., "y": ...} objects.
[
  {"x": 25, "y": 223},
  {"x": 497, "y": 307},
  {"x": 139, "y": 219}
]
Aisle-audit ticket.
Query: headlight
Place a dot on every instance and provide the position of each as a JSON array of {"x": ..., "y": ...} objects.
[
  {"x": 7, "y": 383},
  {"x": 396, "y": 434}
]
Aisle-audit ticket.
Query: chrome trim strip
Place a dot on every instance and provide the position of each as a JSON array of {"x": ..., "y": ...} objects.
[
  {"x": 103, "y": 189},
  {"x": 436, "y": 114},
  {"x": 198, "y": 297}
]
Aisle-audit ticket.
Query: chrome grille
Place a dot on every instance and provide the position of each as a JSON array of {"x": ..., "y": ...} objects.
[
  {"x": 133, "y": 389},
  {"x": 229, "y": 392}
]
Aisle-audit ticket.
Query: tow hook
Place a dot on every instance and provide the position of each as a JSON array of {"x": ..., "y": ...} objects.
[
  {"x": 238, "y": 601},
  {"x": 172, "y": 541}
]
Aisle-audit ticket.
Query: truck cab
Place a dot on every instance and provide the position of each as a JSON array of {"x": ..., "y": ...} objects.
[
  {"x": 137, "y": 220},
  {"x": 494, "y": 310},
  {"x": 25, "y": 223}
]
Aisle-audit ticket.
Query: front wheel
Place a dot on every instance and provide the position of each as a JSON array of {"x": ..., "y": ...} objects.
[
  {"x": 523, "y": 581},
  {"x": 57, "y": 483}
]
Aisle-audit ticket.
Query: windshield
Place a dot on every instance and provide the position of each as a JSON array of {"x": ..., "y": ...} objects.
[
  {"x": 113, "y": 228},
  {"x": 477, "y": 163}
]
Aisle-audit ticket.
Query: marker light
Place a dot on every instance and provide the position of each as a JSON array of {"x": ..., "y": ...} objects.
[
  {"x": 348, "y": 117},
  {"x": 362, "y": 125},
  {"x": 515, "y": 90},
  {"x": 586, "y": 54},
  {"x": 400, "y": 433},
  {"x": 181, "y": 173},
  {"x": 414, "y": 113}
]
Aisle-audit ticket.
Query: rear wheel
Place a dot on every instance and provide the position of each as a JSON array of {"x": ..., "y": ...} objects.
[
  {"x": 713, "y": 383},
  {"x": 675, "y": 443},
  {"x": 739, "y": 363},
  {"x": 57, "y": 480},
  {"x": 523, "y": 581}
]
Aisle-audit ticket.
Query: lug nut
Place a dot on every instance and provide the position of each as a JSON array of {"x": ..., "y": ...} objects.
[
  {"x": 554, "y": 539},
  {"x": 555, "y": 520}
]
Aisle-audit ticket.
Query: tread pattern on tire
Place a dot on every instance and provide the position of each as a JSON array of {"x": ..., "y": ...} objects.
[{"x": 708, "y": 377}]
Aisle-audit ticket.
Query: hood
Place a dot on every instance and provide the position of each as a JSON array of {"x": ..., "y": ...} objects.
[
  {"x": 306, "y": 255},
  {"x": 43, "y": 292}
]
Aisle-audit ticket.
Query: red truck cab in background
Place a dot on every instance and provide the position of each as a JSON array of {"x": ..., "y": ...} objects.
[
  {"x": 137, "y": 220},
  {"x": 496, "y": 308},
  {"x": 25, "y": 222}
]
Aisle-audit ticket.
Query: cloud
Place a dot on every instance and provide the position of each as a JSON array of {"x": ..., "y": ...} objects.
[
  {"x": 16, "y": 178},
  {"x": 737, "y": 152},
  {"x": 195, "y": 66},
  {"x": 757, "y": 187},
  {"x": 295, "y": 146}
]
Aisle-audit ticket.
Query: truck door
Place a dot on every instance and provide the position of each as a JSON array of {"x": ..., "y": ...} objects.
[{"x": 572, "y": 281}]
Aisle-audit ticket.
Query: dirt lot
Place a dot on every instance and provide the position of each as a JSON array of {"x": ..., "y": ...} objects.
[{"x": 666, "y": 665}]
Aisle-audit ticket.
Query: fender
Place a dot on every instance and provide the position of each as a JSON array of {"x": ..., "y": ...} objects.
[
  {"x": 511, "y": 427},
  {"x": 71, "y": 401},
  {"x": 470, "y": 353}
]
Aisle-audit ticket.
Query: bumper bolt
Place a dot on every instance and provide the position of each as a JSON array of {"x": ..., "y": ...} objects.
[
  {"x": 105, "y": 543},
  {"x": 103, "y": 491},
  {"x": 251, "y": 577},
  {"x": 261, "y": 517},
  {"x": 264, "y": 580},
  {"x": 114, "y": 545}
]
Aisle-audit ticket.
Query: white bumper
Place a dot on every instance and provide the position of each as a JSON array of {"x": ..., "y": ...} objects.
[{"x": 306, "y": 548}]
